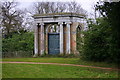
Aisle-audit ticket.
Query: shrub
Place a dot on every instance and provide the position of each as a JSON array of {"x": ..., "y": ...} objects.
[
  {"x": 98, "y": 42},
  {"x": 18, "y": 42}
]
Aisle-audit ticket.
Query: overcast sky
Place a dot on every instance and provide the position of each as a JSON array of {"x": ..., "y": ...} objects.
[{"x": 86, "y": 4}]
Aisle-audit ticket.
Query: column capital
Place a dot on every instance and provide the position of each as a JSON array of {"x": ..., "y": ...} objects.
[
  {"x": 68, "y": 22},
  {"x": 42, "y": 23},
  {"x": 60, "y": 23},
  {"x": 36, "y": 24}
]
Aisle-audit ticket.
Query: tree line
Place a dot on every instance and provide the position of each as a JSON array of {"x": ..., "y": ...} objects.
[
  {"x": 101, "y": 40},
  {"x": 14, "y": 22},
  {"x": 13, "y": 18},
  {"x": 58, "y": 7}
]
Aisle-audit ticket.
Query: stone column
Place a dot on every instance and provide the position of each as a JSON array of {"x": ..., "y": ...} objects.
[
  {"x": 36, "y": 41},
  {"x": 73, "y": 36},
  {"x": 42, "y": 38},
  {"x": 68, "y": 38},
  {"x": 46, "y": 38},
  {"x": 39, "y": 39},
  {"x": 61, "y": 37}
]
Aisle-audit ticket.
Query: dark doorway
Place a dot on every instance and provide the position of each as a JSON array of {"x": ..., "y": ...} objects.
[{"x": 53, "y": 43}]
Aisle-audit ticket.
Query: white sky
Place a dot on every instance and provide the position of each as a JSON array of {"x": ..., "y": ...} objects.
[{"x": 86, "y": 4}]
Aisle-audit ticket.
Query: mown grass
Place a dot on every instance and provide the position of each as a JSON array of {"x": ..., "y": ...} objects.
[
  {"x": 62, "y": 60},
  {"x": 53, "y": 71}
]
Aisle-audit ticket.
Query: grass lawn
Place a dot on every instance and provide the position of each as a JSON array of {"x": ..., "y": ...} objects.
[
  {"x": 53, "y": 71},
  {"x": 62, "y": 60}
]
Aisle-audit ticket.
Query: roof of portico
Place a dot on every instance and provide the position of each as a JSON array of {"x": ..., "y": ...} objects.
[{"x": 54, "y": 15}]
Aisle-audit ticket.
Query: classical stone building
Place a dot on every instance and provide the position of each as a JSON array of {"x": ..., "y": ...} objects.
[{"x": 56, "y": 33}]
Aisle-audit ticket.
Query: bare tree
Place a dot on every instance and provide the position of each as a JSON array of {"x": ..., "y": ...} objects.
[
  {"x": 56, "y": 7},
  {"x": 61, "y": 7},
  {"x": 48, "y": 7},
  {"x": 12, "y": 18},
  {"x": 74, "y": 7}
]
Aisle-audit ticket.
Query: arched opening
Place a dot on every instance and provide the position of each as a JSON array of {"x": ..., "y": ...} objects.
[
  {"x": 53, "y": 28},
  {"x": 78, "y": 38},
  {"x": 52, "y": 39}
]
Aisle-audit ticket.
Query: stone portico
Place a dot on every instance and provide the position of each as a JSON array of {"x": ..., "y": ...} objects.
[{"x": 65, "y": 24}]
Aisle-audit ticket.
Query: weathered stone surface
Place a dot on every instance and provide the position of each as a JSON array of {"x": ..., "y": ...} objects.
[
  {"x": 73, "y": 36},
  {"x": 66, "y": 23},
  {"x": 68, "y": 38},
  {"x": 42, "y": 38},
  {"x": 39, "y": 39},
  {"x": 61, "y": 37},
  {"x": 36, "y": 40}
]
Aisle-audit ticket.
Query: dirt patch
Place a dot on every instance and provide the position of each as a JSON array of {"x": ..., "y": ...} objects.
[{"x": 63, "y": 64}]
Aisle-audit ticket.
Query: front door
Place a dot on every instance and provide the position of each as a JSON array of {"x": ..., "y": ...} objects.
[{"x": 53, "y": 43}]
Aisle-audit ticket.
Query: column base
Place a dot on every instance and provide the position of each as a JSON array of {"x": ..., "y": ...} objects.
[{"x": 35, "y": 55}]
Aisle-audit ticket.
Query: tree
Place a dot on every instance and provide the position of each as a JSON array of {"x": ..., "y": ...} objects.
[
  {"x": 19, "y": 42},
  {"x": 111, "y": 12},
  {"x": 49, "y": 7},
  {"x": 74, "y": 7},
  {"x": 96, "y": 41},
  {"x": 56, "y": 7},
  {"x": 19, "y": 45},
  {"x": 101, "y": 40},
  {"x": 12, "y": 18}
]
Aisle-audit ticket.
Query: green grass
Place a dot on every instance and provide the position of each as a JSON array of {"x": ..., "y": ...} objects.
[
  {"x": 53, "y": 71},
  {"x": 62, "y": 60}
]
